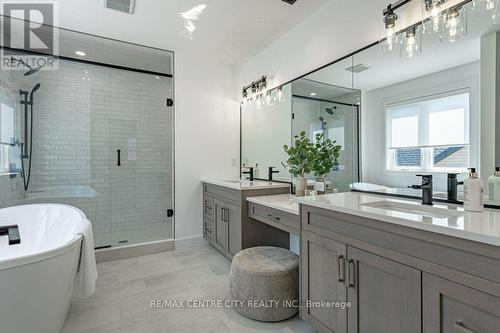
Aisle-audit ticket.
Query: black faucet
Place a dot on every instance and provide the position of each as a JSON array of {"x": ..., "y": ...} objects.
[
  {"x": 271, "y": 172},
  {"x": 12, "y": 232},
  {"x": 453, "y": 184},
  {"x": 249, "y": 173},
  {"x": 426, "y": 188}
]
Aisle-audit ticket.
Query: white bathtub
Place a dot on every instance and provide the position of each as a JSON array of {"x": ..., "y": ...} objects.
[{"x": 37, "y": 276}]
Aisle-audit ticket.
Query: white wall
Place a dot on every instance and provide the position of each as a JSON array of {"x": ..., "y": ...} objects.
[{"x": 373, "y": 121}]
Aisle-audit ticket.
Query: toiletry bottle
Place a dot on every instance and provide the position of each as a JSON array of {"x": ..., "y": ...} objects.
[
  {"x": 494, "y": 186},
  {"x": 473, "y": 192}
]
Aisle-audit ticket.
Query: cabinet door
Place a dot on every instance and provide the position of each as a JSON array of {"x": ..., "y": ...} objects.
[
  {"x": 233, "y": 230},
  {"x": 450, "y": 307},
  {"x": 220, "y": 236},
  {"x": 323, "y": 276},
  {"x": 385, "y": 295}
]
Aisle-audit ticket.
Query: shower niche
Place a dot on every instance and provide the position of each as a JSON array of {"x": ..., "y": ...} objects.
[{"x": 95, "y": 133}]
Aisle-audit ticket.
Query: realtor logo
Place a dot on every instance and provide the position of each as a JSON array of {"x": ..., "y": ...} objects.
[{"x": 29, "y": 38}]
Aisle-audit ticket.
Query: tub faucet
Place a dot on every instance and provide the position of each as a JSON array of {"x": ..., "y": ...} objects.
[
  {"x": 249, "y": 173},
  {"x": 12, "y": 232},
  {"x": 453, "y": 184},
  {"x": 271, "y": 172},
  {"x": 426, "y": 188}
]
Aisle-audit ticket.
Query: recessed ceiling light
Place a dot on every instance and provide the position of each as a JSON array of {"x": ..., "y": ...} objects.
[
  {"x": 80, "y": 53},
  {"x": 157, "y": 77},
  {"x": 313, "y": 94}
]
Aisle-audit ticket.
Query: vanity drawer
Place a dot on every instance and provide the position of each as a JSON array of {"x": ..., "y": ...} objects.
[
  {"x": 208, "y": 207},
  {"x": 451, "y": 307},
  {"x": 225, "y": 194},
  {"x": 276, "y": 218}
]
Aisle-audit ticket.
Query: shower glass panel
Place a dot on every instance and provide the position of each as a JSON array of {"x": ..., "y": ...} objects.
[
  {"x": 325, "y": 103},
  {"x": 102, "y": 141}
]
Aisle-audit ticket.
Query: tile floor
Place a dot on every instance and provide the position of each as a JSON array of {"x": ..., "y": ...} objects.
[{"x": 125, "y": 288}]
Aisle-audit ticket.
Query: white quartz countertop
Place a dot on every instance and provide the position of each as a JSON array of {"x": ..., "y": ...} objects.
[
  {"x": 245, "y": 185},
  {"x": 282, "y": 202},
  {"x": 445, "y": 219}
]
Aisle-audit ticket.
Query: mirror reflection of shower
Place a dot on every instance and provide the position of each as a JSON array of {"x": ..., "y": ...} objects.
[
  {"x": 324, "y": 124},
  {"x": 27, "y": 100}
]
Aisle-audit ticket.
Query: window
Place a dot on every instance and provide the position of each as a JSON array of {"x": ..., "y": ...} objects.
[{"x": 429, "y": 134}]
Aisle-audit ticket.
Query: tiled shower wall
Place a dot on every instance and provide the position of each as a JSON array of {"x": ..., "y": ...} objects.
[{"x": 83, "y": 115}]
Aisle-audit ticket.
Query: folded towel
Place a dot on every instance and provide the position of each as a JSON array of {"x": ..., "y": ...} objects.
[{"x": 87, "y": 270}]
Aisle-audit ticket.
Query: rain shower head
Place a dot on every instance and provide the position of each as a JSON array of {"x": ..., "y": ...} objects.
[
  {"x": 331, "y": 111},
  {"x": 32, "y": 70}
]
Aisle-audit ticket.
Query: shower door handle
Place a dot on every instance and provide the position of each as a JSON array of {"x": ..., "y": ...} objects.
[{"x": 119, "y": 163}]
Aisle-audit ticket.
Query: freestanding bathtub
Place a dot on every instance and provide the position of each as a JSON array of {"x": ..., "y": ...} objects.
[{"x": 37, "y": 276}]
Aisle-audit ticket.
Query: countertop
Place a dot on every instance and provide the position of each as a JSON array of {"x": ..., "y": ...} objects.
[
  {"x": 245, "y": 185},
  {"x": 397, "y": 191},
  {"x": 282, "y": 202},
  {"x": 481, "y": 227}
]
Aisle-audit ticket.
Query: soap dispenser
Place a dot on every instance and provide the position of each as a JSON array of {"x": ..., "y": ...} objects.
[
  {"x": 494, "y": 186},
  {"x": 473, "y": 192}
]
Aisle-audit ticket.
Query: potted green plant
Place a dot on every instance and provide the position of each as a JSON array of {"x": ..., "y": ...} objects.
[
  {"x": 300, "y": 161},
  {"x": 325, "y": 156}
]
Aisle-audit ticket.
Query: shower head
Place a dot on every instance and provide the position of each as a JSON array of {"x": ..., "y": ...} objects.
[
  {"x": 32, "y": 70},
  {"x": 35, "y": 88},
  {"x": 331, "y": 111}
]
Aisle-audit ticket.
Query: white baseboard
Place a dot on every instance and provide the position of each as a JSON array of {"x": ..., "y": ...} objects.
[{"x": 190, "y": 242}]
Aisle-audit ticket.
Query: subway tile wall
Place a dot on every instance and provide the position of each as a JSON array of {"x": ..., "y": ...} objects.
[{"x": 83, "y": 115}]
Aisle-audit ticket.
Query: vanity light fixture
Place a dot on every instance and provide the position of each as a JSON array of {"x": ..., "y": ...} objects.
[
  {"x": 390, "y": 34},
  {"x": 411, "y": 43},
  {"x": 455, "y": 24},
  {"x": 490, "y": 6},
  {"x": 433, "y": 9}
]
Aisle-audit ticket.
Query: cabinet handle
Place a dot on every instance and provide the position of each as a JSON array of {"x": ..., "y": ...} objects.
[
  {"x": 119, "y": 158},
  {"x": 462, "y": 328},
  {"x": 340, "y": 268},
  {"x": 351, "y": 273}
]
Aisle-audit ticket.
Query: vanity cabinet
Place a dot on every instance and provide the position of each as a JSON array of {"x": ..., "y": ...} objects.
[
  {"x": 227, "y": 226},
  {"x": 383, "y": 295},
  {"x": 395, "y": 278},
  {"x": 452, "y": 307}
]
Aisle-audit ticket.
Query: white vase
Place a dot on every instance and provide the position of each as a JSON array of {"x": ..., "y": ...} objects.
[{"x": 300, "y": 187}]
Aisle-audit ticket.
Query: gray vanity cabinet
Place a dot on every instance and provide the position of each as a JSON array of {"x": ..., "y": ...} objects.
[
  {"x": 220, "y": 234},
  {"x": 232, "y": 216},
  {"x": 323, "y": 279},
  {"x": 449, "y": 307},
  {"x": 385, "y": 296},
  {"x": 227, "y": 226}
]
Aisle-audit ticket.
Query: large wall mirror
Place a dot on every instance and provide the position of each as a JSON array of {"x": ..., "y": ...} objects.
[
  {"x": 431, "y": 105},
  {"x": 320, "y": 103}
]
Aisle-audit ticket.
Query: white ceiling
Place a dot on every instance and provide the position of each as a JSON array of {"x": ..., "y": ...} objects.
[{"x": 233, "y": 29}]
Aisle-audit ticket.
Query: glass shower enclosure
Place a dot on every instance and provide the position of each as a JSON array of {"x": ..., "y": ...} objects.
[{"x": 96, "y": 133}]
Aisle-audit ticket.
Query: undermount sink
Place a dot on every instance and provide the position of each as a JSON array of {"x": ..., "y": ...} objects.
[{"x": 429, "y": 211}]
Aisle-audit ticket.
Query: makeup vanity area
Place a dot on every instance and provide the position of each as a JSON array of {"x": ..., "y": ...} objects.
[{"x": 399, "y": 265}]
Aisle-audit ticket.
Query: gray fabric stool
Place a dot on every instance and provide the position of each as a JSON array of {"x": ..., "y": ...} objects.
[{"x": 266, "y": 281}]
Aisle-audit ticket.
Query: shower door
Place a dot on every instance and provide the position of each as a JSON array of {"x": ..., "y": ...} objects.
[{"x": 140, "y": 150}]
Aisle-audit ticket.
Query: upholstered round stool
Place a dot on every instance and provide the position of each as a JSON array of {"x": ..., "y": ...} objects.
[{"x": 264, "y": 283}]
